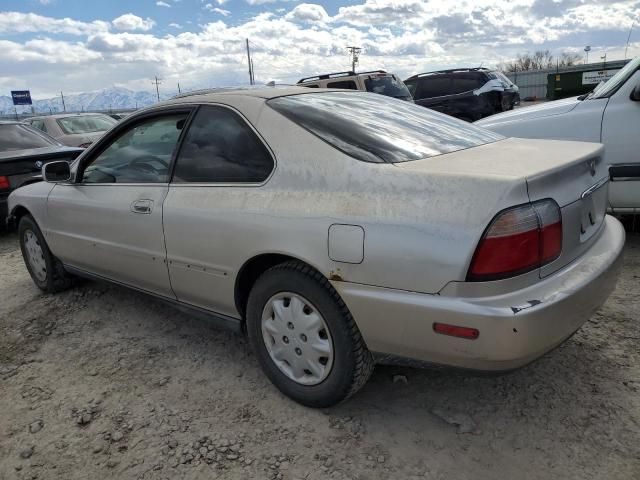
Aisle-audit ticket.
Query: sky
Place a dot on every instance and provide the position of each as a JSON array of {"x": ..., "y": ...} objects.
[{"x": 83, "y": 45}]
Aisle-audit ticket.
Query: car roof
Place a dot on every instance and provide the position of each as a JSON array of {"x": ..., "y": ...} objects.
[
  {"x": 338, "y": 75},
  {"x": 218, "y": 95},
  {"x": 451, "y": 70},
  {"x": 65, "y": 115}
]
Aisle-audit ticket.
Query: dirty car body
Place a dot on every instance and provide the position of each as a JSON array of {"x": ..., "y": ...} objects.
[{"x": 441, "y": 242}]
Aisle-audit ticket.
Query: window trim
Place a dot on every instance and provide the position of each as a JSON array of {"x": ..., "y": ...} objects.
[
  {"x": 107, "y": 140},
  {"x": 223, "y": 184}
]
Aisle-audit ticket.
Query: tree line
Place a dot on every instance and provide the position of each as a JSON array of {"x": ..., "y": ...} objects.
[{"x": 540, "y": 60}]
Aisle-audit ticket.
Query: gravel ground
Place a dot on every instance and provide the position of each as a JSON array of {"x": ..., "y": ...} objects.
[{"x": 100, "y": 382}]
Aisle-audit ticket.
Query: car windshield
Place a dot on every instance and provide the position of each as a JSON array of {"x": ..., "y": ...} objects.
[
  {"x": 21, "y": 137},
  {"x": 379, "y": 129},
  {"x": 610, "y": 86},
  {"x": 86, "y": 124},
  {"x": 387, "y": 85}
]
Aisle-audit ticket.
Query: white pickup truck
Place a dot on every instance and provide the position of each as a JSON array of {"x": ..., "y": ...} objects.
[{"x": 609, "y": 115}]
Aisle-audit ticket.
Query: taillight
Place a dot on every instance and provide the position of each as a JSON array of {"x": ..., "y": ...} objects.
[
  {"x": 4, "y": 183},
  {"x": 517, "y": 241}
]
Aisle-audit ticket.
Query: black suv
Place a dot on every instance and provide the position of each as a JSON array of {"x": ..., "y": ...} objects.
[{"x": 466, "y": 93}]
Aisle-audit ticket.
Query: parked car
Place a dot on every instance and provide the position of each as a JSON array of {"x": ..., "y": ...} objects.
[
  {"x": 466, "y": 93},
  {"x": 74, "y": 129},
  {"x": 335, "y": 233},
  {"x": 377, "y": 81},
  {"x": 610, "y": 114},
  {"x": 23, "y": 152},
  {"x": 118, "y": 116}
]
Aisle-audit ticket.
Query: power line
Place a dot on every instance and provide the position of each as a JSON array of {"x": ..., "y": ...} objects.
[{"x": 156, "y": 83}]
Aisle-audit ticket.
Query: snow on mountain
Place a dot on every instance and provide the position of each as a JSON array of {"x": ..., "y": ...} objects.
[{"x": 114, "y": 98}]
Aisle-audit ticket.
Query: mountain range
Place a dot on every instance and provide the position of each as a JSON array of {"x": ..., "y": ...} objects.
[{"x": 114, "y": 98}]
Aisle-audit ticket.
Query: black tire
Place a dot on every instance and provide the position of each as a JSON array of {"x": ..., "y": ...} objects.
[
  {"x": 57, "y": 279},
  {"x": 352, "y": 362}
]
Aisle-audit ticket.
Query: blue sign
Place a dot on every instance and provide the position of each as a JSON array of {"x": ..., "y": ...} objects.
[{"x": 21, "y": 97}]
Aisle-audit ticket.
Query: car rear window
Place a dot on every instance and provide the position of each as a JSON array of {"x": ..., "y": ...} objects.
[
  {"x": 379, "y": 129},
  {"x": 387, "y": 85},
  {"x": 86, "y": 124},
  {"x": 22, "y": 137}
]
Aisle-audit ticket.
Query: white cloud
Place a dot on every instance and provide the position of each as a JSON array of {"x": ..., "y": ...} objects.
[
  {"x": 163, "y": 4},
  {"x": 45, "y": 2},
  {"x": 17, "y": 22},
  {"x": 209, "y": 7},
  {"x": 175, "y": 25},
  {"x": 308, "y": 12},
  {"x": 129, "y": 22}
]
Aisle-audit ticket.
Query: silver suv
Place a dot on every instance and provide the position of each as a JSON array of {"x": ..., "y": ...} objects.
[{"x": 377, "y": 81}]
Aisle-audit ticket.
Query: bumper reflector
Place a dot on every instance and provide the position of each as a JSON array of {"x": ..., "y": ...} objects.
[{"x": 456, "y": 331}]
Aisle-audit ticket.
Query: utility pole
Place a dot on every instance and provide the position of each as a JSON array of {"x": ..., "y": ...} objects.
[
  {"x": 64, "y": 108},
  {"x": 354, "y": 52},
  {"x": 179, "y": 88},
  {"x": 156, "y": 83},
  {"x": 250, "y": 63}
]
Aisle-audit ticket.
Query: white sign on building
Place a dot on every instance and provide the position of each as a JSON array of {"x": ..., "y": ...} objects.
[{"x": 594, "y": 78}]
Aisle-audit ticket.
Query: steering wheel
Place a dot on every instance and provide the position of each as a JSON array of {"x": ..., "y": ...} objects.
[{"x": 144, "y": 164}]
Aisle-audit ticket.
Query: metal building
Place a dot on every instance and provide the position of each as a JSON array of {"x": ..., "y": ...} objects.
[{"x": 533, "y": 84}]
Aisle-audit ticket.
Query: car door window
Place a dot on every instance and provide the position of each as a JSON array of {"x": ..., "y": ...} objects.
[
  {"x": 437, "y": 86},
  {"x": 346, "y": 84},
  {"x": 220, "y": 147},
  {"x": 141, "y": 154}
]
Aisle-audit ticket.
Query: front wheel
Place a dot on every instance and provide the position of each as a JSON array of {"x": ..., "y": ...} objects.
[
  {"x": 305, "y": 339},
  {"x": 46, "y": 270}
]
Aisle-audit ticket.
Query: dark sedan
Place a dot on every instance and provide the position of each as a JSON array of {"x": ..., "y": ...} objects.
[{"x": 23, "y": 152}]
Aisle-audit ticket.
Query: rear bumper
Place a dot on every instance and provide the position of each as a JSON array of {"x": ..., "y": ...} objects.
[{"x": 515, "y": 327}]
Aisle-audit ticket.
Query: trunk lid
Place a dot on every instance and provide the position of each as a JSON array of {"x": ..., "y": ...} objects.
[{"x": 571, "y": 173}]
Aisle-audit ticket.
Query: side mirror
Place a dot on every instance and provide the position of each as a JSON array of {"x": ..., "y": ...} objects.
[
  {"x": 635, "y": 94},
  {"x": 55, "y": 172}
]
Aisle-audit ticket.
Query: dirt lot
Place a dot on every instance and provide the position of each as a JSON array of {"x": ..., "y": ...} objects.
[{"x": 100, "y": 382}]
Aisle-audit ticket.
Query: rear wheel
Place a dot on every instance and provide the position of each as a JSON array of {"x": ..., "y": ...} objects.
[
  {"x": 304, "y": 336},
  {"x": 46, "y": 270}
]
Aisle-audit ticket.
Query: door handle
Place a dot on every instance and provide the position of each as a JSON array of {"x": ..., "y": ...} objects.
[{"x": 142, "y": 206}]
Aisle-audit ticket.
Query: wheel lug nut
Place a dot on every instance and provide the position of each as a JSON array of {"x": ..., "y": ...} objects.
[
  {"x": 285, "y": 339},
  {"x": 290, "y": 326},
  {"x": 303, "y": 337},
  {"x": 298, "y": 351}
]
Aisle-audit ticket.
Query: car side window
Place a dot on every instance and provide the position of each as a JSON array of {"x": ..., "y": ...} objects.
[
  {"x": 220, "y": 147},
  {"x": 141, "y": 154},
  {"x": 346, "y": 84},
  {"x": 39, "y": 124},
  {"x": 464, "y": 83},
  {"x": 436, "y": 86}
]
